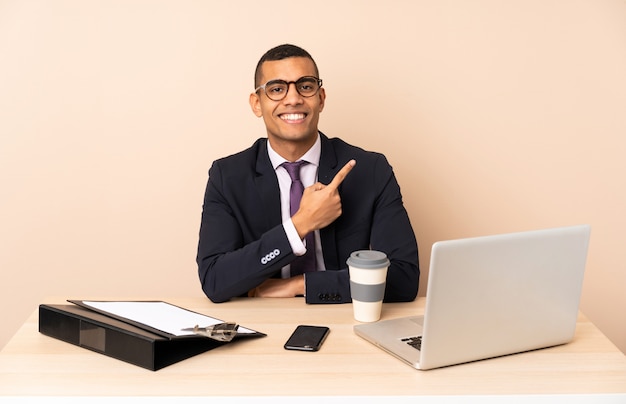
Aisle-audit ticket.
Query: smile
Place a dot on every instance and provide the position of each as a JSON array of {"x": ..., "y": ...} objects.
[{"x": 292, "y": 117}]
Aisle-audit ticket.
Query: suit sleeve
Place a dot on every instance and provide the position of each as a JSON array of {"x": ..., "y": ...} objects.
[
  {"x": 327, "y": 287},
  {"x": 393, "y": 234},
  {"x": 237, "y": 250}
]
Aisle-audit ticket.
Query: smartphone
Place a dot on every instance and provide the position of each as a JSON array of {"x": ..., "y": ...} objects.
[{"x": 307, "y": 338}]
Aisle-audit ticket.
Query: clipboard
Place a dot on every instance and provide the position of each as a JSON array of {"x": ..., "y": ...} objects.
[
  {"x": 162, "y": 318},
  {"x": 125, "y": 339}
]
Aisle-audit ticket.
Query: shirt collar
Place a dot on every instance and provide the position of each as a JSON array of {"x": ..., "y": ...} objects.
[{"x": 312, "y": 156}]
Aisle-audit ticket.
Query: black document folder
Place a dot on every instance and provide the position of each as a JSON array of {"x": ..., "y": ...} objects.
[{"x": 132, "y": 343}]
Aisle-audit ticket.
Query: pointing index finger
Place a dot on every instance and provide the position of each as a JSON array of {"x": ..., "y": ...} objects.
[{"x": 342, "y": 174}]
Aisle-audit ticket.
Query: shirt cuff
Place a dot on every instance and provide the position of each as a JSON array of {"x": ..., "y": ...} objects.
[{"x": 297, "y": 244}]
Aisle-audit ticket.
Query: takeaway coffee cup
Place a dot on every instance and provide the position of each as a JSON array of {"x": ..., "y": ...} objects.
[{"x": 368, "y": 274}]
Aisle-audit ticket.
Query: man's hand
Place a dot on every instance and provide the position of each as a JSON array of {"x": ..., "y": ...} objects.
[
  {"x": 320, "y": 204},
  {"x": 272, "y": 287}
]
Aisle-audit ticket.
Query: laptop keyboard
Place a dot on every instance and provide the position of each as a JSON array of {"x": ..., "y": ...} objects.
[{"x": 415, "y": 342}]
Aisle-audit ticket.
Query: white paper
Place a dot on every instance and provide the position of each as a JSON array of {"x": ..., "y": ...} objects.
[{"x": 159, "y": 315}]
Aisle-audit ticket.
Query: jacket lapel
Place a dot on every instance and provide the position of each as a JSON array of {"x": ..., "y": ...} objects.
[
  {"x": 327, "y": 170},
  {"x": 267, "y": 186}
]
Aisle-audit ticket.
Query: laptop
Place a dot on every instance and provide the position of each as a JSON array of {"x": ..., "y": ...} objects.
[{"x": 491, "y": 296}]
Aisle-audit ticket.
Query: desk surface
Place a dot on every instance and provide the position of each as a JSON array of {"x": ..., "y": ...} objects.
[{"x": 33, "y": 364}]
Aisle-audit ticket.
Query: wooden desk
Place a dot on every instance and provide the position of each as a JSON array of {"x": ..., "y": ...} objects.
[{"x": 36, "y": 365}]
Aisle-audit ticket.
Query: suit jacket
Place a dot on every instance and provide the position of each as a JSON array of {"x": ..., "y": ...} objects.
[{"x": 242, "y": 241}]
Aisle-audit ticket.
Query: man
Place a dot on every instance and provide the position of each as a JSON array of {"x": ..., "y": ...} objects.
[{"x": 250, "y": 241}]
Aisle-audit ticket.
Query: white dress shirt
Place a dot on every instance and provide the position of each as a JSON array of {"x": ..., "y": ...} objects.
[{"x": 308, "y": 176}]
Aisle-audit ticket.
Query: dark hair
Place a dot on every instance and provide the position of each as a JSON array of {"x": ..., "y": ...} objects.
[{"x": 281, "y": 52}]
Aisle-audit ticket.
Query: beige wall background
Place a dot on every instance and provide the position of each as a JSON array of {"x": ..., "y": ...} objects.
[{"x": 498, "y": 116}]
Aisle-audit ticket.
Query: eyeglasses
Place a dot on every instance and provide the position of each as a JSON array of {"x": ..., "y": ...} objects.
[{"x": 276, "y": 90}]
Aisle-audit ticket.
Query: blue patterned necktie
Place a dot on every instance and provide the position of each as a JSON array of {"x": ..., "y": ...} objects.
[{"x": 306, "y": 262}]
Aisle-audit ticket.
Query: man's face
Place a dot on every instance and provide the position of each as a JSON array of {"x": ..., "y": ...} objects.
[{"x": 294, "y": 118}]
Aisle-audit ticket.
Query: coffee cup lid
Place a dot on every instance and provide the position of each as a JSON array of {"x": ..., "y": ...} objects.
[{"x": 368, "y": 259}]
